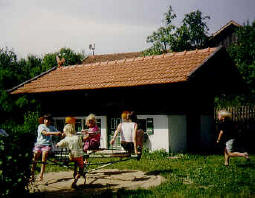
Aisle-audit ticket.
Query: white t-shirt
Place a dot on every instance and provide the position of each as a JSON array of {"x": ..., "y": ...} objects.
[
  {"x": 127, "y": 131},
  {"x": 74, "y": 144}
]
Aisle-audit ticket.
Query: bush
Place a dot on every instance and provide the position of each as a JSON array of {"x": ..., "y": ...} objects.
[{"x": 16, "y": 155}]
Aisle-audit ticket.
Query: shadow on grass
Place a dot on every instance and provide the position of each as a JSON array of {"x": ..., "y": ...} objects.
[{"x": 158, "y": 172}]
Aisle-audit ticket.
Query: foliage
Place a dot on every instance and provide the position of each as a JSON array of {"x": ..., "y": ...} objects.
[
  {"x": 30, "y": 67},
  {"x": 163, "y": 38},
  {"x": 16, "y": 155},
  {"x": 19, "y": 116},
  {"x": 243, "y": 54},
  {"x": 71, "y": 58},
  {"x": 192, "y": 34}
]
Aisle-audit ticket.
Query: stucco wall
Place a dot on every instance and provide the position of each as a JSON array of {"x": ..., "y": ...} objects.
[
  {"x": 159, "y": 139},
  {"x": 177, "y": 125},
  {"x": 103, "y": 139}
]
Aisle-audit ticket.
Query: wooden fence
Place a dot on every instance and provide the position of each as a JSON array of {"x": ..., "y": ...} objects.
[
  {"x": 240, "y": 114},
  {"x": 244, "y": 121}
]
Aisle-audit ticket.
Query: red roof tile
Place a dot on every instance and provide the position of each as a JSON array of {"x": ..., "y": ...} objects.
[
  {"x": 161, "y": 69},
  {"x": 111, "y": 57}
]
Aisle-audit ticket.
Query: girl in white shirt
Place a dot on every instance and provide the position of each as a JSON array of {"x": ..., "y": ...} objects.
[{"x": 127, "y": 131}]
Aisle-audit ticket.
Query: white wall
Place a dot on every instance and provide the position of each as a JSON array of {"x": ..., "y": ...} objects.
[
  {"x": 103, "y": 139},
  {"x": 158, "y": 140},
  {"x": 177, "y": 125}
]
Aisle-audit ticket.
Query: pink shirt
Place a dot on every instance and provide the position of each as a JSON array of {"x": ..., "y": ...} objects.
[{"x": 94, "y": 134}]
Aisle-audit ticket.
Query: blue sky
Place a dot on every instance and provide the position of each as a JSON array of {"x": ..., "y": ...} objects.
[{"x": 42, "y": 26}]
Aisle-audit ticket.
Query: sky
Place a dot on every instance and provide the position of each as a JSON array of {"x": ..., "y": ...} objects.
[{"x": 38, "y": 27}]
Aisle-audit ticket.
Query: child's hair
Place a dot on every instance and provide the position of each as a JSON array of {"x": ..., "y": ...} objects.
[
  {"x": 40, "y": 120},
  {"x": 47, "y": 117},
  {"x": 91, "y": 117},
  {"x": 70, "y": 120},
  {"x": 132, "y": 116},
  {"x": 69, "y": 130},
  {"x": 125, "y": 115},
  {"x": 225, "y": 114}
]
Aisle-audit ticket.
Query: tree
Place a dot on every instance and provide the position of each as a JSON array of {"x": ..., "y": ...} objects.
[
  {"x": 163, "y": 38},
  {"x": 191, "y": 34},
  {"x": 30, "y": 67},
  {"x": 243, "y": 54},
  {"x": 71, "y": 58}
]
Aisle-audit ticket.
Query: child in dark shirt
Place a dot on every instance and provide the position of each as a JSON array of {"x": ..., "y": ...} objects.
[{"x": 227, "y": 133}]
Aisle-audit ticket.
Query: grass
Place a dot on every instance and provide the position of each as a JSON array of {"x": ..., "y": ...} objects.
[{"x": 189, "y": 176}]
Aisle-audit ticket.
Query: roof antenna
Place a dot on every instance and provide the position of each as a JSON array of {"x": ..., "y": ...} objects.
[{"x": 92, "y": 47}]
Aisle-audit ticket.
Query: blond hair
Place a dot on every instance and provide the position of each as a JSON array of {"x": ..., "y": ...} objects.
[
  {"x": 91, "y": 117},
  {"x": 125, "y": 115},
  {"x": 69, "y": 130},
  {"x": 225, "y": 114}
]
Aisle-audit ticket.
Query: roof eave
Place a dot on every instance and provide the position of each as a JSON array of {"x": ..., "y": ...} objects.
[{"x": 30, "y": 80}]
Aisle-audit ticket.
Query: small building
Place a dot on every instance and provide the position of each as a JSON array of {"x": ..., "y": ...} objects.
[
  {"x": 172, "y": 94},
  {"x": 225, "y": 36}
]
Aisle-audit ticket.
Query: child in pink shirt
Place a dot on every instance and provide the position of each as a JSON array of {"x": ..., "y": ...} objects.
[{"x": 91, "y": 135}]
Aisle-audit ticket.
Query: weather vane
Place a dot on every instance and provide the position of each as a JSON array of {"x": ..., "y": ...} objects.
[{"x": 92, "y": 47}]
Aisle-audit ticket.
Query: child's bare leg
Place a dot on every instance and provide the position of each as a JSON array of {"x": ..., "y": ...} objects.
[
  {"x": 75, "y": 170},
  {"x": 238, "y": 154},
  {"x": 44, "y": 159},
  {"x": 35, "y": 158},
  {"x": 75, "y": 180},
  {"x": 226, "y": 157}
]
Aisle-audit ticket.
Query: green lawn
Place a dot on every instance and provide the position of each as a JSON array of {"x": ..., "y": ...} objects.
[{"x": 190, "y": 176}]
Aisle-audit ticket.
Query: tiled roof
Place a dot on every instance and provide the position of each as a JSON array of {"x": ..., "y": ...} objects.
[
  {"x": 111, "y": 57},
  {"x": 149, "y": 70}
]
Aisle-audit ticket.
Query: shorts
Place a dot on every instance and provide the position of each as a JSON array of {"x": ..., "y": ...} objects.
[
  {"x": 128, "y": 146},
  {"x": 230, "y": 145},
  {"x": 41, "y": 148}
]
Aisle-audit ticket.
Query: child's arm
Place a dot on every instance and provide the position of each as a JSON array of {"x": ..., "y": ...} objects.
[
  {"x": 62, "y": 143},
  {"x": 115, "y": 134},
  {"x": 85, "y": 137},
  {"x": 51, "y": 133},
  {"x": 95, "y": 131},
  {"x": 219, "y": 137}
]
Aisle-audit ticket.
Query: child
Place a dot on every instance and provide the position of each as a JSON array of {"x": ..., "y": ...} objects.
[
  {"x": 74, "y": 144},
  {"x": 128, "y": 130},
  {"x": 139, "y": 133},
  {"x": 227, "y": 131},
  {"x": 91, "y": 135},
  {"x": 43, "y": 144}
]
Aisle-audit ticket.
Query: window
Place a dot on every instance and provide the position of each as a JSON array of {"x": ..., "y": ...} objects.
[
  {"x": 80, "y": 123},
  {"x": 146, "y": 125}
]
